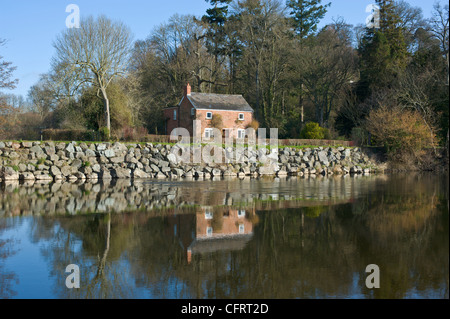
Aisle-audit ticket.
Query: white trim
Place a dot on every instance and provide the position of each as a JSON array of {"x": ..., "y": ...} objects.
[
  {"x": 240, "y": 111},
  {"x": 210, "y": 134},
  {"x": 206, "y": 116},
  {"x": 240, "y": 130},
  {"x": 239, "y": 117}
]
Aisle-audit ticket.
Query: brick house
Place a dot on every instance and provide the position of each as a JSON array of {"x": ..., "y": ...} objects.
[{"x": 235, "y": 112}]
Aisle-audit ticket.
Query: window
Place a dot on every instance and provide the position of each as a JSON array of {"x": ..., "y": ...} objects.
[
  {"x": 208, "y": 115},
  {"x": 174, "y": 115},
  {"x": 192, "y": 112},
  {"x": 241, "y": 116},
  {"x": 208, "y": 215},
  {"x": 209, "y": 132},
  {"x": 241, "y": 228},
  {"x": 241, "y": 213},
  {"x": 209, "y": 231},
  {"x": 241, "y": 133}
]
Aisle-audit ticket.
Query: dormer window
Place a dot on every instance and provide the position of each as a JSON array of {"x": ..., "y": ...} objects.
[
  {"x": 208, "y": 115},
  {"x": 241, "y": 116}
]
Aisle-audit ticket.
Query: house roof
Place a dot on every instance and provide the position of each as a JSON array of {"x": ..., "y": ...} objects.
[
  {"x": 225, "y": 242},
  {"x": 223, "y": 102}
]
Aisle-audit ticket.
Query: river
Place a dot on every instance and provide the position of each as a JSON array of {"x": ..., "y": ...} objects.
[{"x": 277, "y": 238}]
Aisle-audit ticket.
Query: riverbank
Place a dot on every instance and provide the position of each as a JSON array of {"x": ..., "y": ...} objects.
[{"x": 74, "y": 161}]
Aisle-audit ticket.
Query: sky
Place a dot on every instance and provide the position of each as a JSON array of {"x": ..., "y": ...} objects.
[{"x": 30, "y": 26}]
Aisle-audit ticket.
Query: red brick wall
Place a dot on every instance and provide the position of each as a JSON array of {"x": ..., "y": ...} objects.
[
  {"x": 229, "y": 120},
  {"x": 170, "y": 122}
]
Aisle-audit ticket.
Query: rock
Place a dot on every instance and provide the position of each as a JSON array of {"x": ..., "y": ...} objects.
[
  {"x": 138, "y": 173},
  {"x": 70, "y": 148},
  {"x": 76, "y": 163},
  {"x": 27, "y": 176},
  {"x": 105, "y": 173},
  {"x": 54, "y": 171},
  {"x": 109, "y": 153},
  {"x": 36, "y": 149},
  {"x": 7, "y": 173},
  {"x": 117, "y": 160},
  {"x": 172, "y": 158},
  {"x": 43, "y": 177},
  {"x": 26, "y": 144},
  {"x": 101, "y": 147},
  {"x": 66, "y": 170},
  {"x": 121, "y": 173},
  {"x": 92, "y": 176},
  {"x": 96, "y": 168},
  {"x": 90, "y": 153}
]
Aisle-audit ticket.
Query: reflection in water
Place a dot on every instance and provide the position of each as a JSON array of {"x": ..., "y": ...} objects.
[{"x": 234, "y": 239}]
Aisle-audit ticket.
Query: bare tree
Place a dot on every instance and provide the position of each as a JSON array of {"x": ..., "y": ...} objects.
[
  {"x": 95, "y": 53},
  {"x": 6, "y": 70},
  {"x": 440, "y": 28}
]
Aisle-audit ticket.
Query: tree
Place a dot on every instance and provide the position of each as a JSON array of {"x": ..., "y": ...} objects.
[
  {"x": 216, "y": 44},
  {"x": 306, "y": 15},
  {"x": 383, "y": 52},
  {"x": 328, "y": 66},
  {"x": 440, "y": 28},
  {"x": 94, "y": 54},
  {"x": 6, "y": 70}
]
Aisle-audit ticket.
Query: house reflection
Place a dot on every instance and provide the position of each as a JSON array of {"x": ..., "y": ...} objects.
[{"x": 221, "y": 228}]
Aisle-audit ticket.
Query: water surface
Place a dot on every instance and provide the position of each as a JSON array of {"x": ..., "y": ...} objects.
[{"x": 252, "y": 238}]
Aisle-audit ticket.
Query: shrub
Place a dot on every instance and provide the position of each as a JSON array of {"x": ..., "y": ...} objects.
[
  {"x": 69, "y": 135},
  {"x": 254, "y": 124},
  {"x": 313, "y": 131},
  {"x": 104, "y": 133},
  {"x": 217, "y": 121},
  {"x": 402, "y": 132}
]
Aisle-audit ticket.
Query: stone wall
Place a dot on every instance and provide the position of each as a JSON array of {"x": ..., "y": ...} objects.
[{"x": 99, "y": 161}]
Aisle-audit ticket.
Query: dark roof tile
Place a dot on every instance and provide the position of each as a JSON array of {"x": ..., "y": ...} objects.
[{"x": 219, "y": 102}]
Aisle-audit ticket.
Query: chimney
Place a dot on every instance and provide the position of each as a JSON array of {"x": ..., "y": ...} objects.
[{"x": 187, "y": 90}]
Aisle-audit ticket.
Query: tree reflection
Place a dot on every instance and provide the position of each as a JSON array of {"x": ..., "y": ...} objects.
[
  {"x": 315, "y": 251},
  {"x": 7, "y": 278}
]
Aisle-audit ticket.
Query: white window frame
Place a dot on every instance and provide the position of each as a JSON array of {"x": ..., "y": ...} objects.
[
  {"x": 240, "y": 133},
  {"x": 241, "y": 228},
  {"x": 208, "y": 117},
  {"x": 241, "y": 116},
  {"x": 241, "y": 213},
  {"x": 208, "y": 214},
  {"x": 209, "y": 133},
  {"x": 174, "y": 115},
  {"x": 209, "y": 231}
]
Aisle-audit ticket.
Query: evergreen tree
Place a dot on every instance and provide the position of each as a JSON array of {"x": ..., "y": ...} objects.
[
  {"x": 306, "y": 15},
  {"x": 383, "y": 52}
]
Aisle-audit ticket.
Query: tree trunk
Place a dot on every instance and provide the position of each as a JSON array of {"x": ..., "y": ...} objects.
[{"x": 107, "y": 113}]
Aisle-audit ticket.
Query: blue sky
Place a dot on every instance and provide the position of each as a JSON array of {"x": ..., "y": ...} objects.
[{"x": 30, "y": 26}]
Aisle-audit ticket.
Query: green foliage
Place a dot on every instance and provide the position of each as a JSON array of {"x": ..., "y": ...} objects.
[
  {"x": 313, "y": 131},
  {"x": 41, "y": 161},
  {"x": 306, "y": 15},
  {"x": 104, "y": 133}
]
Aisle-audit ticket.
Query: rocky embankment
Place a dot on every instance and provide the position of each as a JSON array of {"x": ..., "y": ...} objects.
[{"x": 59, "y": 161}]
